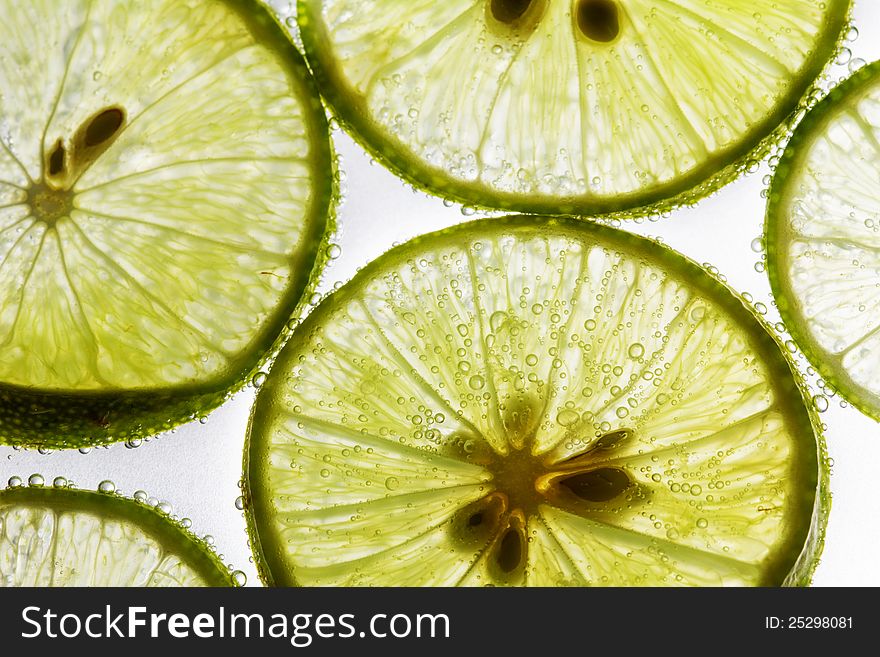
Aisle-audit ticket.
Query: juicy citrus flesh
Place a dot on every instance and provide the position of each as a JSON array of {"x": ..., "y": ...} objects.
[
  {"x": 526, "y": 401},
  {"x": 572, "y": 106},
  {"x": 60, "y": 537},
  {"x": 164, "y": 183},
  {"x": 823, "y": 238}
]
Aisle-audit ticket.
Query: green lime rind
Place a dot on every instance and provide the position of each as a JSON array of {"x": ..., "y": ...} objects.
[
  {"x": 777, "y": 233},
  {"x": 801, "y": 542},
  {"x": 721, "y": 169},
  {"x": 171, "y": 536},
  {"x": 62, "y": 419}
]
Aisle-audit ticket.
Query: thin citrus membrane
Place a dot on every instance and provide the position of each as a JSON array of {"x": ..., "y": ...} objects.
[
  {"x": 823, "y": 238},
  {"x": 569, "y": 106},
  {"x": 165, "y": 185},
  {"x": 534, "y": 401},
  {"x": 59, "y": 536}
]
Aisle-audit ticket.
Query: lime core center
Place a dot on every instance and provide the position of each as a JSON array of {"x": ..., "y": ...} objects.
[
  {"x": 521, "y": 483},
  {"x": 49, "y": 205}
]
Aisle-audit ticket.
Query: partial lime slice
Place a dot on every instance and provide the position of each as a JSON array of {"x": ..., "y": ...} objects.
[
  {"x": 823, "y": 238},
  {"x": 165, "y": 178},
  {"x": 539, "y": 402},
  {"x": 568, "y": 106},
  {"x": 66, "y": 537}
]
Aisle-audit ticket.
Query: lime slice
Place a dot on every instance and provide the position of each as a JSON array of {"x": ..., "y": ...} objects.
[
  {"x": 823, "y": 238},
  {"x": 568, "y": 106},
  {"x": 65, "y": 537},
  {"x": 539, "y": 402},
  {"x": 165, "y": 178}
]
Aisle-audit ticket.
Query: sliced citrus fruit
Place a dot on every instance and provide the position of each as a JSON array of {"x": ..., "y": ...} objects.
[
  {"x": 568, "y": 106},
  {"x": 66, "y": 537},
  {"x": 539, "y": 402},
  {"x": 823, "y": 238},
  {"x": 165, "y": 178}
]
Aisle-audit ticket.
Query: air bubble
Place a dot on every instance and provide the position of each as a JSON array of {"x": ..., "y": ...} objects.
[
  {"x": 36, "y": 480},
  {"x": 567, "y": 417},
  {"x": 239, "y": 578},
  {"x": 239, "y": 503},
  {"x": 856, "y": 63},
  {"x": 476, "y": 382},
  {"x": 258, "y": 379},
  {"x": 821, "y": 403},
  {"x": 702, "y": 523},
  {"x": 325, "y": 473},
  {"x": 636, "y": 351},
  {"x": 14, "y": 482},
  {"x": 334, "y": 251},
  {"x": 59, "y": 482},
  {"x": 392, "y": 483},
  {"x": 140, "y": 496},
  {"x": 758, "y": 245},
  {"x": 107, "y": 486}
]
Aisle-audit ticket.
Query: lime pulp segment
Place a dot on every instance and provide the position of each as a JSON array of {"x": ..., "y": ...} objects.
[
  {"x": 165, "y": 178},
  {"x": 823, "y": 238},
  {"x": 528, "y": 401},
  {"x": 65, "y": 537},
  {"x": 568, "y": 106}
]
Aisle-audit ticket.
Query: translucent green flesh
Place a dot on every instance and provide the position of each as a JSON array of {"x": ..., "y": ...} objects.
[
  {"x": 43, "y": 544},
  {"x": 825, "y": 242},
  {"x": 406, "y": 396},
  {"x": 189, "y": 234},
  {"x": 536, "y": 110}
]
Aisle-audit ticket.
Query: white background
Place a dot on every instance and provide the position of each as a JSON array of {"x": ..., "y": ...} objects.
[{"x": 197, "y": 468}]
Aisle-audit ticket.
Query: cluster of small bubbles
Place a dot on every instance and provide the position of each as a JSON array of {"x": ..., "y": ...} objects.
[
  {"x": 258, "y": 379},
  {"x": 239, "y": 503},
  {"x": 36, "y": 480},
  {"x": 107, "y": 486}
]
